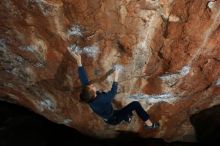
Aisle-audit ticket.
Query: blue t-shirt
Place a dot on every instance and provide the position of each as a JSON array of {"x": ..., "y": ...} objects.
[{"x": 102, "y": 104}]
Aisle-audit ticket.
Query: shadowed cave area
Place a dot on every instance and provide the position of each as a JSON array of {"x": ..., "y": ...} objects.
[
  {"x": 207, "y": 125},
  {"x": 20, "y": 126}
]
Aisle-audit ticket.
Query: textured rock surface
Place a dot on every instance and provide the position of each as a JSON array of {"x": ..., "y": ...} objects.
[{"x": 169, "y": 51}]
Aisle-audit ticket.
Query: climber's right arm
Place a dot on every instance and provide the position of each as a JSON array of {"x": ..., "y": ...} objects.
[
  {"x": 81, "y": 71},
  {"x": 83, "y": 76}
]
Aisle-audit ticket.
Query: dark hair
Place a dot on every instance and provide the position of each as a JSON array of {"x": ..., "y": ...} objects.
[{"x": 87, "y": 95}]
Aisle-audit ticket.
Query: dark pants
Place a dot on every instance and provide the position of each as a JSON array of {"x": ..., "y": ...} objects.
[{"x": 126, "y": 112}]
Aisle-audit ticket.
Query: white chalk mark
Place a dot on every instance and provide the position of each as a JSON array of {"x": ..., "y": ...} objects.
[
  {"x": 118, "y": 67},
  {"x": 185, "y": 70},
  {"x": 211, "y": 4},
  {"x": 2, "y": 45},
  {"x": 218, "y": 82},
  {"x": 30, "y": 48},
  {"x": 47, "y": 104},
  {"x": 91, "y": 51},
  {"x": 39, "y": 53},
  {"x": 45, "y": 9},
  {"x": 67, "y": 121},
  {"x": 75, "y": 31},
  {"x": 164, "y": 97},
  {"x": 75, "y": 49},
  {"x": 171, "y": 79},
  {"x": 39, "y": 65}
]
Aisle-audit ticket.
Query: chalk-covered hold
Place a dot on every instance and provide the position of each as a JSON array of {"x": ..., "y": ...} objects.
[
  {"x": 2, "y": 45},
  {"x": 75, "y": 49},
  {"x": 91, "y": 51},
  {"x": 185, "y": 70},
  {"x": 164, "y": 97},
  {"x": 218, "y": 82},
  {"x": 118, "y": 67},
  {"x": 211, "y": 3},
  {"x": 75, "y": 31},
  {"x": 43, "y": 6},
  {"x": 67, "y": 121},
  {"x": 30, "y": 48},
  {"x": 47, "y": 104},
  {"x": 170, "y": 79}
]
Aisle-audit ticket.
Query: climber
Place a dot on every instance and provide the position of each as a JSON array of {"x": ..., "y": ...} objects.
[{"x": 100, "y": 102}]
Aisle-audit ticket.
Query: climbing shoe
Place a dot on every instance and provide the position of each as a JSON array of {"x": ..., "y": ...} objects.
[
  {"x": 128, "y": 118},
  {"x": 153, "y": 126}
]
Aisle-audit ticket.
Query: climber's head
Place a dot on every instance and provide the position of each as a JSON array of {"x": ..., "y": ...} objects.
[{"x": 88, "y": 93}]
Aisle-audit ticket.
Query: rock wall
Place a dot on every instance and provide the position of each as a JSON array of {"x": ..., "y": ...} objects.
[{"x": 168, "y": 50}]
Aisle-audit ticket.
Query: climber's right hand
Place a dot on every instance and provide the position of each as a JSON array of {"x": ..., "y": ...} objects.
[
  {"x": 76, "y": 56},
  {"x": 116, "y": 74}
]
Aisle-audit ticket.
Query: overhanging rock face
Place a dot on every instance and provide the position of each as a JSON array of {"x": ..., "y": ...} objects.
[{"x": 168, "y": 50}]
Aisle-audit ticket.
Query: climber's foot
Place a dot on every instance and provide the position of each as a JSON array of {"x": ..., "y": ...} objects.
[
  {"x": 129, "y": 118},
  {"x": 153, "y": 126}
]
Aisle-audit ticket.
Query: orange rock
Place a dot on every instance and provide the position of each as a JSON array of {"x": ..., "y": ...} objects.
[{"x": 172, "y": 68}]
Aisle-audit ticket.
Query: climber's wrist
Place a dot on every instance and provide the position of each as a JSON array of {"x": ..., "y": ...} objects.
[{"x": 79, "y": 63}]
